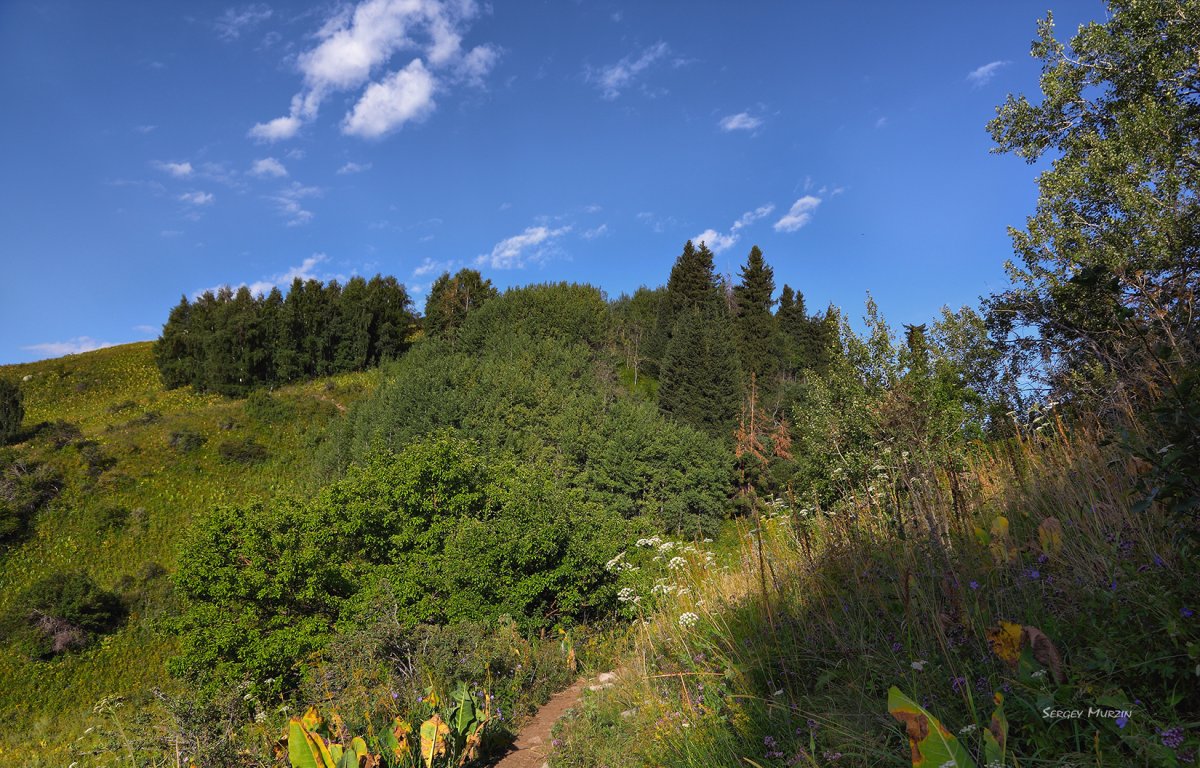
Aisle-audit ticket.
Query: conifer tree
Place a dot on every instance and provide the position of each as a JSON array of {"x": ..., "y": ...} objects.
[
  {"x": 700, "y": 372},
  {"x": 754, "y": 323},
  {"x": 692, "y": 285}
]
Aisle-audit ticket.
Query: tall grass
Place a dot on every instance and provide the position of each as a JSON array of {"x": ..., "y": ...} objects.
[{"x": 784, "y": 655}]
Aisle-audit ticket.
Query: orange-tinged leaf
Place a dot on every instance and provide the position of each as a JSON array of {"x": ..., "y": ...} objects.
[
  {"x": 434, "y": 735},
  {"x": 1005, "y": 641},
  {"x": 1050, "y": 534},
  {"x": 930, "y": 744}
]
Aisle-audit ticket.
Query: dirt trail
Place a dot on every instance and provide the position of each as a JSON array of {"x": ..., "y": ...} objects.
[{"x": 533, "y": 745}]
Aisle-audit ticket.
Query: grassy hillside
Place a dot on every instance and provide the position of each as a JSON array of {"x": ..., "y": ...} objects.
[{"x": 137, "y": 464}]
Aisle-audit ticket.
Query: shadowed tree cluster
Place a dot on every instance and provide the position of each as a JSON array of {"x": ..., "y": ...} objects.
[{"x": 230, "y": 342}]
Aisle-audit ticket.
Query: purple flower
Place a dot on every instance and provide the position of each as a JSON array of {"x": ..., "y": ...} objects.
[
  {"x": 1033, "y": 574},
  {"x": 1172, "y": 738},
  {"x": 896, "y": 647},
  {"x": 769, "y": 742},
  {"x": 1122, "y": 721},
  {"x": 974, "y": 585},
  {"x": 1186, "y": 612},
  {"x": 958, "y": 683},
  {"x": 1042, "y": 558},
  {"x": 1159, "y": 562},
  {"x": 395, "y": 695}
]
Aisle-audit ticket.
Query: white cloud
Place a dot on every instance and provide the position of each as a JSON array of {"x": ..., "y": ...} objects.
[
  {"x": 357, "y": 42},
  {"x": 144, "y": 129},
  {"x": 306, "y": 270},
  {"x": 534, "y": 244},
  {"x": 742, "y": 121},
  {"x": 178, "y": 170},
  {"x": 798, "y": 215},
  {"x": 592, "y": 234},
  {"x": 69, "y": 347},
  {"x": 197, "y": 198},
  {"x": 268, "y": 166},
  {"x": 403, "y": 96},
  {"x": 429, "y": 266},
  {"x": 881, "y": 122},
  {"x": 276, "y": 130},
  {"x": 718, "y": 242},
  {"x": 611, "y": 80},
  {"x": 980, "y": 76},
  {"x": 354, "y": 168},
  {"x": 235, "y": 21},
  {"x": 288, "y": 201},
  {"x": 147, "y": 329}
]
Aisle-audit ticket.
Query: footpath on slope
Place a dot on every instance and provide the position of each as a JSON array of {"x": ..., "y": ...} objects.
[{"x": 533, "y": 745}]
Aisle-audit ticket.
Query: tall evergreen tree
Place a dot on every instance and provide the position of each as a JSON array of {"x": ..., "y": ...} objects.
[
  {"x": 173, "y": 352},
  {"x": 754, "y": 324},
  {"x": 700, "y": 379},
  {"x": 692, "y": 285}
]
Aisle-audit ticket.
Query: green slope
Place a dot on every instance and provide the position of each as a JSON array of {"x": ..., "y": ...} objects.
[{"x": 127, "y": 495}]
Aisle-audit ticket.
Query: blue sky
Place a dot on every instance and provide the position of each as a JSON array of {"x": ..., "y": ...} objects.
[{"x": 158, "y": 149}]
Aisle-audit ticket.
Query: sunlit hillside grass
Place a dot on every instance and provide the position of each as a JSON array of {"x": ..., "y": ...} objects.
[
  {"x": 127, "y": 495},
  {"x": 785, "y": 657}
]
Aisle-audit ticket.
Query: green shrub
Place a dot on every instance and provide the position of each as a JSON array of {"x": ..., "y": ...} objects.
[
  {"x": 12, "y": 410},
  {"x": 185, "y": 440},
  {"x": 25, "y": 487},
  {"x": 245, "y": 450},
  {"x": 262, "y": 407},
  {"x": 59, "y": 613}
]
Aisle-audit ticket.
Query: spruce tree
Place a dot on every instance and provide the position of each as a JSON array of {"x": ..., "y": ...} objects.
[
  {"x": 692, "y": 285},
  {"x": 754, "y": 323},
  {"x": 173, "y": 352},
  {"x": 700, "y": 376}
]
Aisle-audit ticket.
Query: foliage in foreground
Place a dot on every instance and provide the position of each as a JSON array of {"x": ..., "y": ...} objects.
[{"x": 1053, "y": 589}]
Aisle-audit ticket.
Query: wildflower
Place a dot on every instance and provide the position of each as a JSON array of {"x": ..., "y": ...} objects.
[
  {"x": 813, "y": 725},
  {"x": 1034, "y": 574},
  {"x": 1186, "y": 612},
  {"x": 958, "y": 683},
  {"x": 896, "y": 647},
  {"x": 1172, "y": 738},
  {"x": 1122, "y": 721},
  {"x": 967, "y": 729},
  {"x": 974, "y": 585},
  {"x": 628, "y": 595},
  {"x": 1039, "y": 675},
  {"x": 769, "y": 742},
  {"x": 676, "y": 562},
  {"x": 919, "y": 665},
  {"x": 688, "y": 619}
]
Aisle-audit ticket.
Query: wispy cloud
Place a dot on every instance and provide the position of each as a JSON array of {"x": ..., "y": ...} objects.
[
  {"x": 356, "y": 42},
  {"x": 535, "y": 245},
  {"x": 594, "y": 232},
  {"x": 718, "y": 241},
  {"x": 429, "y": 266},
  {"x": 178, "y": 170},
  {"x": 742, "y": 121},
  {"x": 268, "y": 166},
  {"x": 289, "y": 202},
  {"x": 197, "y": 198},
  {"x": 236, "y": 21},
  {"x": 354, "y": 168},
  {"x": 881, "y": 122},
  {"x": 306, "y": 270},
  {"x": 981, "y": 76},
  {"x": 615, "y": 78},
  {"x": 144, "y": 129},
  {"x": 799, "y": 214},
  {"x": 69, "y": 347},
  {"x": 147, "y": 330}
]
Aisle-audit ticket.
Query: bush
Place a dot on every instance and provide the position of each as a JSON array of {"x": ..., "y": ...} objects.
[
  {"x": 25, "y": 487},
  {"x": 185, "y": 440},
  {"x": 243, "y": 451},
  {"x": 12, "y": 410},
  {"x": 62, "y": 612},
  {"x": 265, "y": 409}
]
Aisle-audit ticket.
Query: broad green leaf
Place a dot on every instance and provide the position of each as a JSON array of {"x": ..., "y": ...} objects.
[
  {"x": 931, "y": 745},
  {"x": 995, "y": 737},
  {"x": 433, "y": 740}
]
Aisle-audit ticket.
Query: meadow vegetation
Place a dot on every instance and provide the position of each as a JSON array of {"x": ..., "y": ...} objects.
[{"x": 320, "y": 531}]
